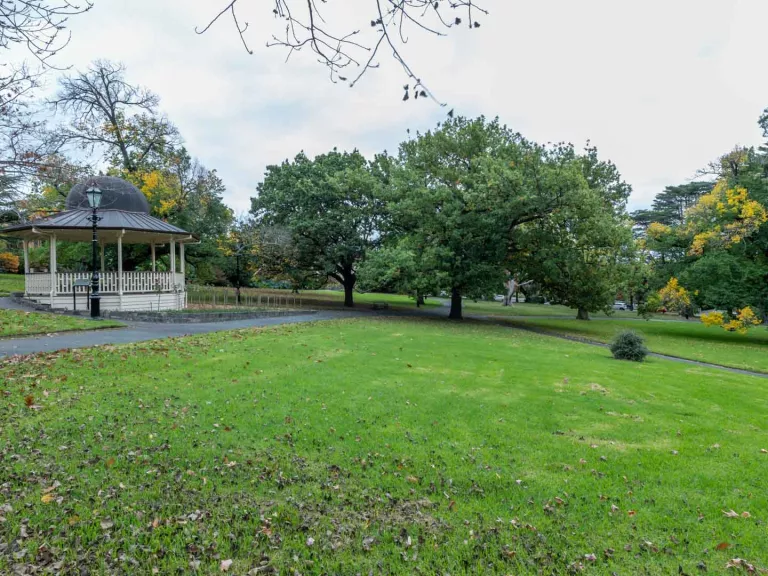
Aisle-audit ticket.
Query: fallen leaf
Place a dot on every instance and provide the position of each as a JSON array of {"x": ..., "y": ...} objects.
[
  {"x": 109, "y": 463},
  {"x": 48, "y": 498},
  {"x": 722, "y": 546},
  {"x": 590, "y": 557},
  {"x": 745, "y": 514},
  {"x": 106, "y": 524},
  {"x": 631, "y": 512},
  {"x": 225, "y": 564},
  {"x": 731, "y": 514},
  {"x": 739, "y": 563}
]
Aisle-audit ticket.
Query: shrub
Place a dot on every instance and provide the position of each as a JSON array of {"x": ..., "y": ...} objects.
[
  {"x": 629, "y": 345},
  {"x": 9, "y": 262}
]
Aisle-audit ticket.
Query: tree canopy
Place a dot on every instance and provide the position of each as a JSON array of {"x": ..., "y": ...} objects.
[
  {"x": 460, "y": 191},
  {"x": 332, "y": 208}
]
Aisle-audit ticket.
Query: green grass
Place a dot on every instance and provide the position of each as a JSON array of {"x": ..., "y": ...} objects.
[
  {"x": 525, "y": 309},
  {"x": 398, "y": 447},
  {"x": 204, "y": 295},
  {"x": 20, "y": 323},
  {"x": 11, "y": 283},
  {"x": 370, "y": 298},
  {"x": 691, "y": 340}
]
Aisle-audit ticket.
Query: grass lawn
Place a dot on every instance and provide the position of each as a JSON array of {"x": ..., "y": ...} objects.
[
  {"x": 683, "y": 339},
  {"x": 370, "y": 297},
  {"x": 525, "y": 309},
  {"x": 384, "y": 446},
  {"x": 20, "y": 323},
  {"x": 11, "y": 283},
  {"x": 307, "y": 298}
]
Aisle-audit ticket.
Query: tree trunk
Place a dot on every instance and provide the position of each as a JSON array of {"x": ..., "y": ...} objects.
[
  {"x": 419, "y": 299},
  {"x": 455, "y": 313},
  {"x": 582, "y": 314},
  {"x": 349, "y": 287}
]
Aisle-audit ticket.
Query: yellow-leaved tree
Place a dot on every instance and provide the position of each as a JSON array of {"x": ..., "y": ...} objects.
[
  {"x": 674, "y": 297},
  {"x": 744, "y": 319},
  {"x": 723, "y": 217}
]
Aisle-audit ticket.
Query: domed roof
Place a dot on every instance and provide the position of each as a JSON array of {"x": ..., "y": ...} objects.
[{"x": 117, "y": 194}]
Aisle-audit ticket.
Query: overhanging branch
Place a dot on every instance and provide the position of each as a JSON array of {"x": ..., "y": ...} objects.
[{"x": 306, "y": 27}]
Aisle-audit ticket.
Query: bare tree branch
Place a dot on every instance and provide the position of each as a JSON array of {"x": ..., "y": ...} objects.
[
  {"x": 108, "y": 112},
  {"x": 40, "y": 25},
  {"x": 306, "y": 27}
]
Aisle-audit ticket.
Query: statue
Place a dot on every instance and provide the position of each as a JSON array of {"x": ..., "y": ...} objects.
[{"x": 513, "y": 285}]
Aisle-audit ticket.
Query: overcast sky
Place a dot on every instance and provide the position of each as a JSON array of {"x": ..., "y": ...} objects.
[{"x": 660, "y": 86}]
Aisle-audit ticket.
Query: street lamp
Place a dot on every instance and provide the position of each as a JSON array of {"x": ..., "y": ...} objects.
[
  {"x": 238, "y": 252},
  {"x": 93, "y": 193}
]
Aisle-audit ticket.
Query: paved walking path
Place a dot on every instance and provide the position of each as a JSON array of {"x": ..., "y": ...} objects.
[
  {"x": 143, "y": 331},
  {"x": 9, "y": 304}
]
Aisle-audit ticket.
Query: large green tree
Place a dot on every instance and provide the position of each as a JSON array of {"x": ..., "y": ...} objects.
[
  {"x": 332, "y": 207},
  {"x": 460, "y": 191},
  {"x": 398, "y": 268},
  {"x": 583, "y": 253},
  {"x": 580, "y": 255}
]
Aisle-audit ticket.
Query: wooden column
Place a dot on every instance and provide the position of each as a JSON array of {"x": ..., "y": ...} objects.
[
  {"x": 173, "y": 255},
  {"x": 120, "y": 269},
  {"x": 26, "y": 264},
  {"x": 154, "y": 262},
  {"x": 52, "y": 268},
  {"x": 181, "y": 257},
  {"x": 26, "y": 257}
]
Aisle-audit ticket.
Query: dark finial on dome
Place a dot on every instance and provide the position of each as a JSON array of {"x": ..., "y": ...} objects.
[{"x": 117, "y": 194}]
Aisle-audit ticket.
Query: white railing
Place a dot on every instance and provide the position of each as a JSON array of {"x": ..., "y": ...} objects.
[
  {"x": 37, "y": 283},
  {"x": 150, "y": 282},
  {"x": 109, "y": 282}
]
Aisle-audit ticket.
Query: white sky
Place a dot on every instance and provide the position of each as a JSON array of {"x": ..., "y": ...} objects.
[{"x": 660, "y": 86}]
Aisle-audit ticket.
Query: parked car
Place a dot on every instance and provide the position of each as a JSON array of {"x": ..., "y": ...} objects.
[
  {"x": 499, "y": 298},
  {"x": 619, "y": 305}
]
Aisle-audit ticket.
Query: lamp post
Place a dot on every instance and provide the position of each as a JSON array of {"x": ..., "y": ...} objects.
[
  {"x": 238, "y": 252},
  {"x": 93, "y": 193}
]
